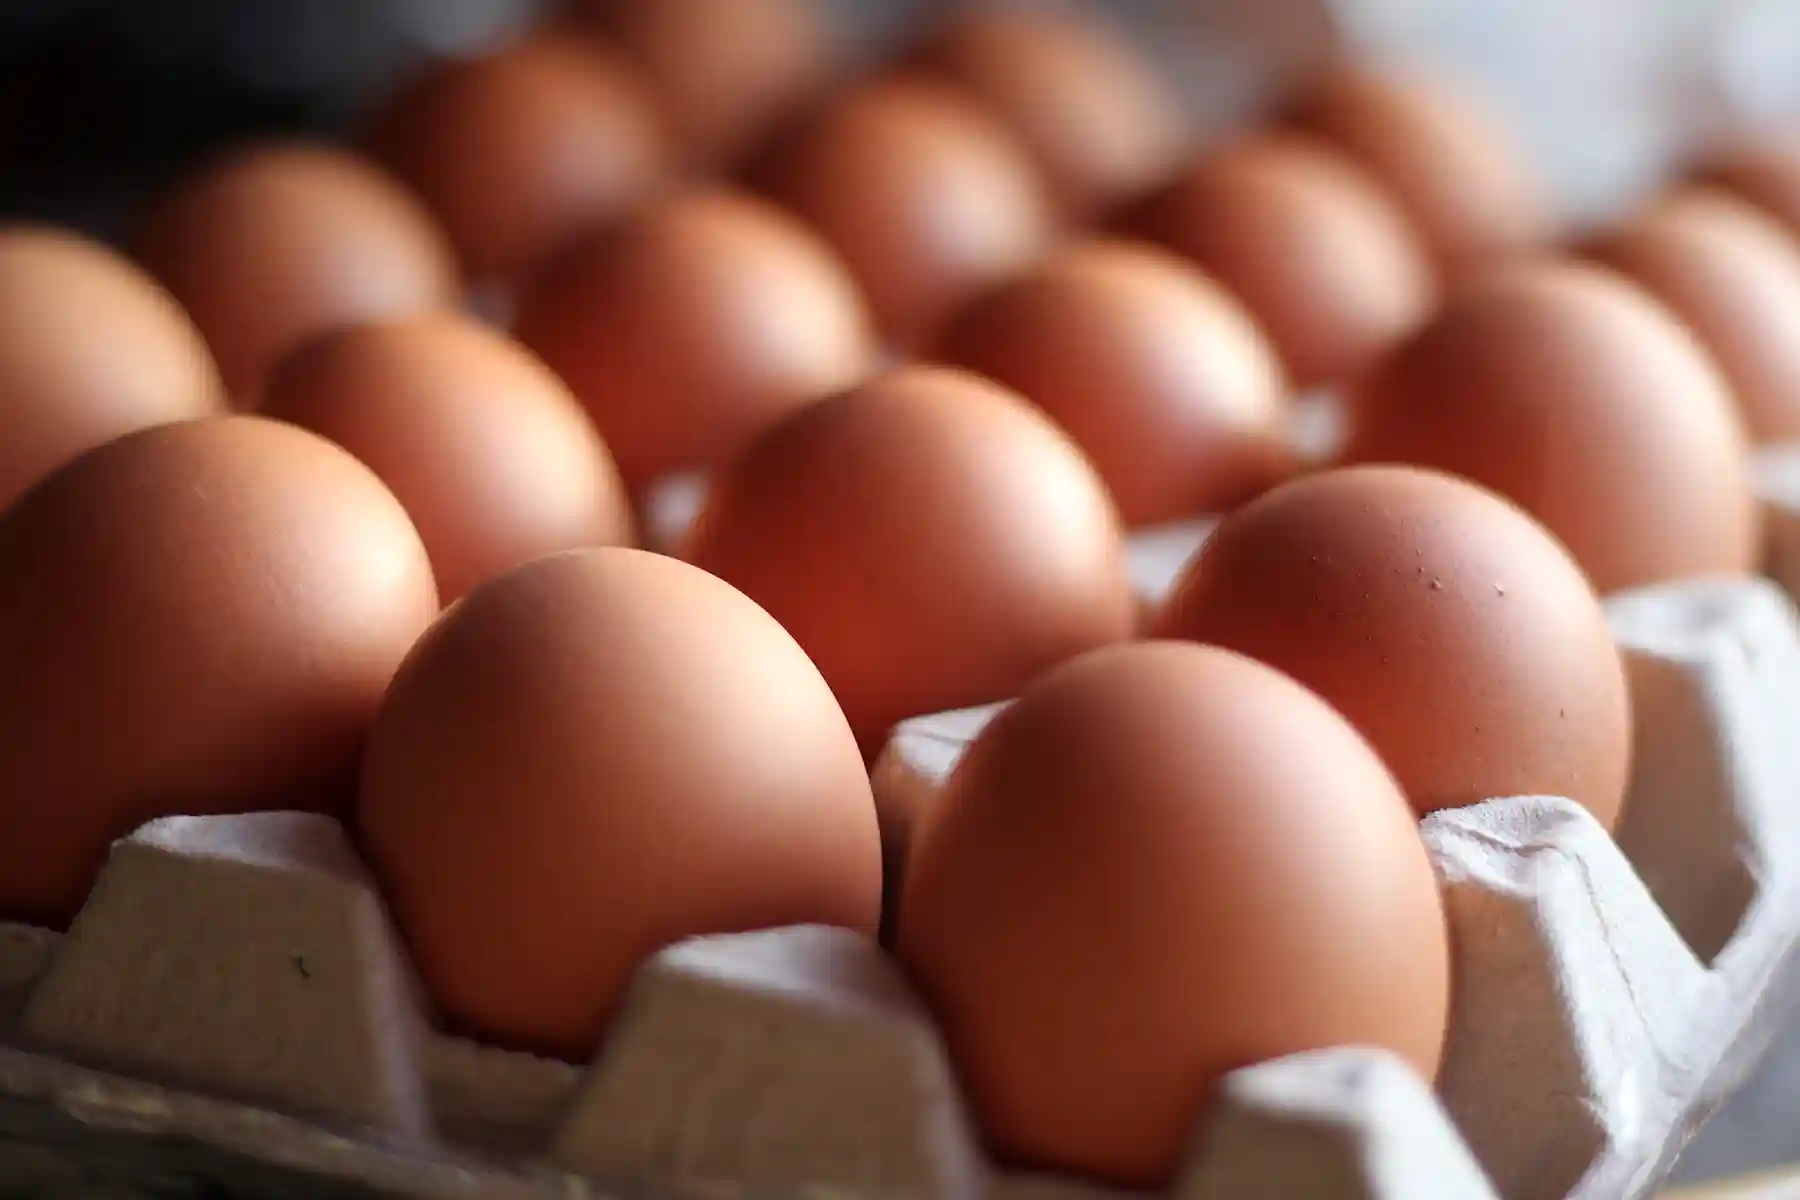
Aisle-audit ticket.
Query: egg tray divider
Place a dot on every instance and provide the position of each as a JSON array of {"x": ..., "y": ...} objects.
[{"x": 232, "y": 1013}]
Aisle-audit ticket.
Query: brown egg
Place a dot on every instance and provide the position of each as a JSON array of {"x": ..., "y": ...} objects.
[
  {"x": 1080, "y": 98},
  {"x": 1763, "y": 168},
  {"x": 1446, "y": 160},
  {"x": 1154, "y": 369},
  {"x": 279, "y": 243},
  {"x": 1307, "y": 240},
  {"x": 1165, "y": 862},
  {"x": 927, "y": 198},
  {"x": 1575, "y": 395},
  {"x": 197, "y": 618},
  {"x": 724, "y": 71},
  {"x": 593, "y": 756},
  {"x": 90, "y": 349},
  {"x": 524, "y": 148},
  {"x": 1732, "y": 274},
  {"x": 930, "y": 539},
  {"x": 1450, "y": 628},
  {"x": 694, "y": 325},
  {"x": 492, "y": 457}
]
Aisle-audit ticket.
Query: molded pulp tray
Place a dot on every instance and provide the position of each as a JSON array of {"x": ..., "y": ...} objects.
[{"x": 231, "y": 1013}]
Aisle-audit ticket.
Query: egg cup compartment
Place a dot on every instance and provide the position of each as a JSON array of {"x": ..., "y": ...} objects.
[{"x": 233, "y": 999}]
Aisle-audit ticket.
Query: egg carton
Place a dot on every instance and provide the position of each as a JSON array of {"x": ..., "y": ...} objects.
[{"x": 232, "y": 1013}]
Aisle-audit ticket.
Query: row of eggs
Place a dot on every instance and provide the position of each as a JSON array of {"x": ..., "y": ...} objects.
[{"x": 593, "y": 752}]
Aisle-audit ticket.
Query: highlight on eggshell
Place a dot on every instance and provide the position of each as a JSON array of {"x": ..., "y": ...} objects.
[
  {"x": 195, "y": 618},
  {"x": 1575, "y": 394},
  {"x": 928, "y": 198},
  {"x": 1467, "y": 187},
  {"x": 1164, "y": 862},
  {"x": 1085, "y": 103},
  {"x": 692, "y": 326},
  {"x": 930, "y": 539},
  {"x": 1156, "y": 371},
  {"x": 91, "y": 348},
  {"x": 1731, "y": 273},
  {"x": 1453, "y": 631},
  {"x": 490, "y": 454},
  {"x": 276, "y": 243},
  {"x": 1307, "y": 239},
  {"x": 592, "y": 756},
  {"x": 524, "y": 148}
]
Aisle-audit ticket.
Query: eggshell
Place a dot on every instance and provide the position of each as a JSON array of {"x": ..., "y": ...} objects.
[
  {"x": 491, "y": 456},
  {"x": 1571, "y": 392},
  {"x": 280, "y": 242},
  {"x": 196, "y": 618},
  {"x": 1450, "y": 628},
  {"x": 1164, "y": 862},
  {"x": 593, "y": 756},
  {"x": 1762, "y": 168},
  {"x": 1307, "y": 239},
  {"x": 1083, "y": 101},
  {"x": 724, "y": 71},
  {"x": 696, "y": 324},
  {"x": 521, "y": 150},
  {"x": 1451, "y": 165},
  {"x": 928, "y": 199},
  {"x": 1156, "y": 371},
  {"x": 930, "y": 539},
  {"x": 1732, "y": 274},
  {"x": 91, "y": 348}
]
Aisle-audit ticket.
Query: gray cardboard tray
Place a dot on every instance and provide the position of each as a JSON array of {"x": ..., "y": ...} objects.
[{"x": 232, "y": 1012}]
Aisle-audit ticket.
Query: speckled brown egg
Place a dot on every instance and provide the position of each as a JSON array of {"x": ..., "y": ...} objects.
[
  {"x": 1307, "y": 239},
  {"x": 1732, "y": 274},
  {"x": 196, "y": 618},
  {"x": 1762, "y": 167},
  {"x": 1082, "y": 100},
  {"x": 724, "y": 72},
  {"x": 1573, "y": 393},
  {"x": 930, "y": 539},
  {"x": 523, "y": 149},
  {"x": 928, "y": 199},
  {"x": 593, "y": 756},
  {"x": 90, "y": 349},
  {"x": 281, "y": 242},
  {"x": 490, "y": 454},
  {"x": 1451, "y": 629},
  {"x": 1163, "y": 863},
  {"x": 1156, "y": 371},
  {"x": 696, "y": 324},
  {"x": 1448, "y": 161}
]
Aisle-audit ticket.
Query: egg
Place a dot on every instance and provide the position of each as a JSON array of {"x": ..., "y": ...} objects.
[
  {"x": 927, "y": 198},
  {"x": 491, "y": 456},
  {"x": 1732, "y": 274},
  {"x": 1451, "y": 165},
  {"x": 1309, "y": 242},
  {"x": 1091, "y": 111},
  {"x": 724, "y": 71},
  {"x": 1571, "y": 392},
  {"x": 1156, "y": 371},
  {"x": 930, "y": 539},
  {"x": 694, "y": 325},
  {"x": 280, "y": 242},
  {"x": 91, "y": 349},
  {"x": 1453, "y": 631},
  {"x": 519, "y": 151},
  {"x": 593, "y": 756},
  {"x": 1163, "y": 863},
  {"x": 1761, "y": 167},
  {"x": 194, "y": 618}
]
